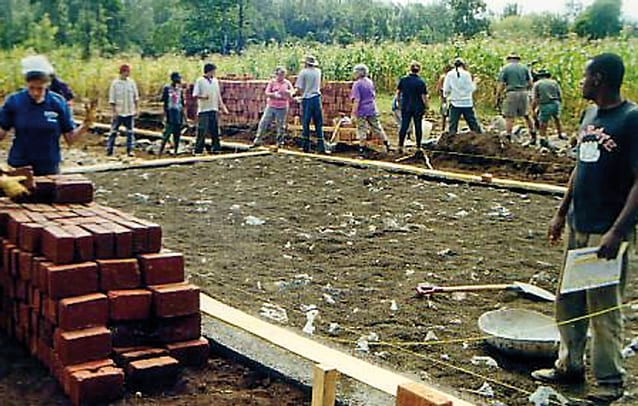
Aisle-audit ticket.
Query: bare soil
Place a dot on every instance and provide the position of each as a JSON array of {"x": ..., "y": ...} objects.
[
  {"x": 24, "y": 382},
  {"x": 351, "y": 241}
]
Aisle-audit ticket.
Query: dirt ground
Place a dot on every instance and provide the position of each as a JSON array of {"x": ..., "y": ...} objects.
[
  {"x": 24, "y": 382},
  {"x": 354, "y": 243}
]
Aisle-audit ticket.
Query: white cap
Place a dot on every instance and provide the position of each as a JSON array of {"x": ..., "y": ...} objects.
[{"x": 37, "y": 63}]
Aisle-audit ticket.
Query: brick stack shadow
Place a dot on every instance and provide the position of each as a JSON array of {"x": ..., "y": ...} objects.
[{"x": 89, "y": 290}]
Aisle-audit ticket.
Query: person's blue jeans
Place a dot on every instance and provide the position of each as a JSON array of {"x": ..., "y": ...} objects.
[
  {"x": 311, "y": 110},
  {"x": 128, "y": 123},
  {"x": 469, "y": 116}
]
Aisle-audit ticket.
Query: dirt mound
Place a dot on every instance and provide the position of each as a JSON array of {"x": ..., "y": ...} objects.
[{"x": 493, "y": 154}]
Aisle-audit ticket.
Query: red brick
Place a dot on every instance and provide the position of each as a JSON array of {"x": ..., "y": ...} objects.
[
  {"x": 162, "y": 268},
  {"x": 72, "y": 280},
  {"x": 190, "y": 353},
  {"x": 25, "y": 261},
  {"x": 13, "y": 225},
  {"x": 153, "y": 372},
  {"x": 133, "y": 333},
  {"x": 21, "y": 290},
  {"x": 173, "y": 300},
  {"x": 56, "y": 366},
  {"x": 73, "y": 191},
  {"x": 36, "y": 305},
  {"x": 123, "y": 240},
  {"x": 103, "y": 240},
  {"x": 83, "y": 311},
  {"x": 42, "y": 274},
  {"x": 129, "y": 304},
  {"x": 15, "y": 261},
  {"x": 7, "y": 248},
  {"x": 50, "y": 309},
  {"x": 118, "y": 274},
  {"x": 36, "y": 277},
  {"x": 83, "y": 243},
  {"x": 86, "y": 366},
  {"x": 58, "y": 245},
  {"x": 44, "y": 190},
  {"x": 24, "y": 316},
  {"x": 44, "y": 353},
  {"x": 139, "y": 353},
  {"x": 140, "y": 235},
  {"x": 76, "y": 347},
  {"x": 101, "y": 386},
  {"x": 177, "y": 329},
  {"x": 417, "y": 394},
  {"x": 46, "y": 329},
  {"x": 154, "y": 233},
  {"x": 30, "y": 236}
]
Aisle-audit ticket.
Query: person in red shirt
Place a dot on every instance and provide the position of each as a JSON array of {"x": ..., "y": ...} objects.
[{"x": 279, "y": 92}]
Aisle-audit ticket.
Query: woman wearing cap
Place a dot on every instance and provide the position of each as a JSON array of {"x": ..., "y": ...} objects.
[
  {"x": 123, "y": 98},
  {"x": 279, "y": 91},
  {"x": 174, "y": 110},
  {"x": 38, "y": 117},
  {"x": 458, "y": 88},
  {"x": 364, "y": 108}
]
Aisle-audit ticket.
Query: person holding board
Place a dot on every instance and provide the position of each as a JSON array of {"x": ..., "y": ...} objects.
[{"x": 600, "y": 209}]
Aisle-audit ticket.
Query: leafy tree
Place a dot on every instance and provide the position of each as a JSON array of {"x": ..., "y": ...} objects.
[
  {"x": 601, "y": 19},
  {"x": 468, "y": 16},
  {"x": 41, "y": 35},
  {"x": 511, "y": 9}
]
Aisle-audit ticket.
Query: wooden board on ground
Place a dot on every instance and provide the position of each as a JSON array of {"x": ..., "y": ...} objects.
[{"x": 362, "y": 371}]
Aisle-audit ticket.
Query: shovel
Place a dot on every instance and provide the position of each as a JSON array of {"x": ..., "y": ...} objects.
[{"x": 526, "y": 289}]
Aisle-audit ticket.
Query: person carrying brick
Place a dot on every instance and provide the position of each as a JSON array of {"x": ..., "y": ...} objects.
[
  {"x": 124, "y": 100},
  {"x": 38, "y": 117},
  {"x": 279, "y": 92},
  {"x": 174, "y": 111},
  {"x": 600, "y": 209},
  {"x": 364, "y": 109},
  {"x": 209, "y": 101},
  {"x": 547, "y": 97},
  {"x": 309, "y": 85}
]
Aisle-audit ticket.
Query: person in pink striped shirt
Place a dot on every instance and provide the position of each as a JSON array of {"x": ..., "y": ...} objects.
[{"x": 279, "y": 92}]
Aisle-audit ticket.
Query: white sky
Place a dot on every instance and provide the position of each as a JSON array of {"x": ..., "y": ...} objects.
[{"x": 630, "y": 7}]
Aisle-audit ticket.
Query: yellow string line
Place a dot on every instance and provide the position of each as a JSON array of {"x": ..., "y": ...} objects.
[{"x": 484, "y": 337}]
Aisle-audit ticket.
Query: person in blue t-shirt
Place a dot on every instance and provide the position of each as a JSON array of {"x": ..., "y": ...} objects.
[{"x": 38, "y": 118}]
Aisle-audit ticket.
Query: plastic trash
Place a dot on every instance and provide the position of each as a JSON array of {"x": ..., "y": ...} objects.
[
  {"x": 485, "y": 390},
  {"x": 254, "y": 221},
  {"x": 484, "y": 361},
  {"x": 274, "y": 312},
  {"x": 309, "y": 327},
  {"x": 545, "y": 396}
]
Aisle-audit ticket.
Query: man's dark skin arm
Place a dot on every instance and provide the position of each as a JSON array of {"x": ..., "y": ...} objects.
[
  {"x": 557, "y": 224},
  {"x": 610, "y": 242}
]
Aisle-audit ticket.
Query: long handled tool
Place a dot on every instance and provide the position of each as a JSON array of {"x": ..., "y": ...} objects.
[{"x": 531, "y": 291}]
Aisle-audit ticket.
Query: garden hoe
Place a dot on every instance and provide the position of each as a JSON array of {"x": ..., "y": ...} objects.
[{"x": 531, "y": 291}]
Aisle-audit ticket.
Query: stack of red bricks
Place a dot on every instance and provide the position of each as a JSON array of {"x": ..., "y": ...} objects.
[
  {"x": 246, "y": 101},
  {"x": 89, "y": 291}
]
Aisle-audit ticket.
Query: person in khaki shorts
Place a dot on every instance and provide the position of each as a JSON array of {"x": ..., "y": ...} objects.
[
  {"x": 600, "y": 209},
  {"x": 364, "y": 108},
  {"x": 516, "y": 81}
]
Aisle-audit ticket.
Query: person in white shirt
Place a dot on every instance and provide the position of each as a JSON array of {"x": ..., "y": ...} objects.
[
  {"x": 458, "y": 89},
  {"x": 209, "y": 100},
  {"x": 124, "y": 99}
]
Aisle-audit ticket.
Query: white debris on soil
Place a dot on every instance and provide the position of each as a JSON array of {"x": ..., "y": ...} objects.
[
  {"x": 485, "y": 390},
  {"x": 254, "y": 221},
  {"x": 484, "y": 361},
  {"x": 430, "y": 336},
  {"x": 309, "y": 327},
  {"x": 274, "y": 312},
  {"x": 362, "y": 344},
  {"x": 459, "y": 296},
  {"x": 461, "y": 214},
  {"x": 631, "y": 349},
  {"x": 446, "y": 253},
  {"x": 545, "y": 396},
  {"x": 334, "y": 329},
  {"x": 500, "y": 212},
  {"x": 329, "y": 299},
  {"x": 394, "y": 306}
]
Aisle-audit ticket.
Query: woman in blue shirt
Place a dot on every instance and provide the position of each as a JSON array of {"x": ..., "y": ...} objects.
[{"x": 38, "y": 117}]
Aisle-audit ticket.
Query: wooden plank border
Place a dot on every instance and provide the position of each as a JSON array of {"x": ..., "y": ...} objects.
[{"x": 362, "y": 371}]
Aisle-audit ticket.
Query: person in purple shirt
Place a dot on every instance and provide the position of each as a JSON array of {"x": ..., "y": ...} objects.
[{"x": 364, "y": 108}]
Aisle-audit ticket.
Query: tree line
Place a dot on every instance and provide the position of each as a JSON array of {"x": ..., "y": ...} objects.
[{"x": 155, "y": 27}]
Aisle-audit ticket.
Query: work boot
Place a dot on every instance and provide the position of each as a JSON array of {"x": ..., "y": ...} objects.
[
  {"x": 552, "y": 375},
  {"x": 607, "y": 393},
  {"x": 305, "y": 145},
  {"x": 387, "y": 146}
]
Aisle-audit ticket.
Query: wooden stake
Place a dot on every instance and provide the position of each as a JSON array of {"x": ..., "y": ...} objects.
[{"x": 324, "y": 385}]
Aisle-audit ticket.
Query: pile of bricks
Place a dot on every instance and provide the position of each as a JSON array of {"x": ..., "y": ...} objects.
[
  {"x": 246, "y": 101},
  {"x": 88, "y": 289}
]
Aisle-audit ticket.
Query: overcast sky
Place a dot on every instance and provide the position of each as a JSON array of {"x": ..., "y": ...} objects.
[{"x": 630, "y": 7}]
